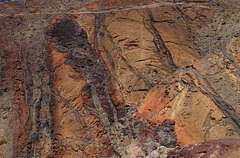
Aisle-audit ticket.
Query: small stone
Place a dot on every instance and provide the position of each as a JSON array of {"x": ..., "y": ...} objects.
[
  {"x": 4, "y": 117},
  {"x": 237, "y": 34}
]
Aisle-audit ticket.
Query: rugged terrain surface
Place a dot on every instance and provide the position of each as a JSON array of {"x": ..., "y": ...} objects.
[{"x": 115, "y": 78}]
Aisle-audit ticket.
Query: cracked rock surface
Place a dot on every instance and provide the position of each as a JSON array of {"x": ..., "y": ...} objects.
[{"x": 113, "y": 78}]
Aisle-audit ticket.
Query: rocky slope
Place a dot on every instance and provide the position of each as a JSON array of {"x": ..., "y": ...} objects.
[{"x": 115, "y": 78}]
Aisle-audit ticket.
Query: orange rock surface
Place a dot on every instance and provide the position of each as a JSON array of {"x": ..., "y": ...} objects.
[{"x": 119, "y": 78}]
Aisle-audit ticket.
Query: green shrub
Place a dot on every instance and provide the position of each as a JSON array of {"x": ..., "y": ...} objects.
[{"x": 2, "y": 142}]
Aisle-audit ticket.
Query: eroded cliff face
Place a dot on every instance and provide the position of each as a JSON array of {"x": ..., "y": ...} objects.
[{"x": 119, "y": 79}]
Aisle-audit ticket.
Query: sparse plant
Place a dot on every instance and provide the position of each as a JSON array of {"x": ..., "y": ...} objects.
[
  {"x": 2, "y": 141},
  {"x": 214, "y": 35}
]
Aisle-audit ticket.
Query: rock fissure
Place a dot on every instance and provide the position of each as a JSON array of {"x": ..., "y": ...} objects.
[
  {"x": 119, "y": 78},
  {"x": 161, "y": 43}
]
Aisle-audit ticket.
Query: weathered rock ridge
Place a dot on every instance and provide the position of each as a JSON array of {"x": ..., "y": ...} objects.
[{"x": 115, "y": 78}]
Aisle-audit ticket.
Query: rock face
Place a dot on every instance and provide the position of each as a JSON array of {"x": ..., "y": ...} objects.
[
  {"x": 214, "y": 148},
  {"x": 119, "y": 78}
]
